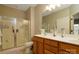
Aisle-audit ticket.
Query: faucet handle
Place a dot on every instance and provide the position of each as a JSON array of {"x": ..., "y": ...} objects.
[{"x": 62, "y": 32}]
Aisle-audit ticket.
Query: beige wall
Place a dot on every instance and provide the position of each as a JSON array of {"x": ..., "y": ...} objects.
[
  {"x": 32, "y": 21},
  {"x": 34, "y": 14},
  {"x": 39, "y": 9},
  {"x": 11, "y": 12},
  {"x": 30, "y": 13}
]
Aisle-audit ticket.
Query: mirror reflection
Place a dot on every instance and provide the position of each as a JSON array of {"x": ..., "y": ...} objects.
[{"x": 62, "y": 18}]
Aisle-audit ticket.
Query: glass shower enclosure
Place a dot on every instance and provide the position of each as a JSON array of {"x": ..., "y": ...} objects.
[{"x": 14, "y": 32}]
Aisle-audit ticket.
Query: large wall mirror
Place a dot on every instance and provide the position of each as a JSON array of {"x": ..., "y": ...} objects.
[{"x": 63, "y": 17}]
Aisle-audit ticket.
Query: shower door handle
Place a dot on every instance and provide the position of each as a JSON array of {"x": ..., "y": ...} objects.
[
  {"x": 13, "y": 30},
  {"x": 17, "y": 30}
]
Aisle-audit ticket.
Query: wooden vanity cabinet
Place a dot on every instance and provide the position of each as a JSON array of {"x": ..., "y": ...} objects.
[
  {"x": 50, "y": 46},
  {"x": 44, "y": 46},
  {"x": 37, "y": 45}
]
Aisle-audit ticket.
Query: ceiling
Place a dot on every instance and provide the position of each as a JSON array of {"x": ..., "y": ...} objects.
[
  {"x": 56, "y": 9},
  {"x": 22, "y": 7}
]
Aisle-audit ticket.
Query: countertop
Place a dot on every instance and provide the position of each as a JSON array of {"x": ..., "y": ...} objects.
[{"x": 59, "y": 38}]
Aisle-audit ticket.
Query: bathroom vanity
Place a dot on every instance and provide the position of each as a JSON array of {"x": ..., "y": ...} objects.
[
  {"x": 60, "y": 23},
  {"x": 54, "y": 45}
]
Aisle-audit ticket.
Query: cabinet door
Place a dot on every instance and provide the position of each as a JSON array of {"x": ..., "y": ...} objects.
[
  {"x": 7, "y": 35},
  {"x": 51, "y": 48},
  {"x": 69, "y": 48},
  {"x": 63, "y": 52},
  {"x": 40, "y": 48}
]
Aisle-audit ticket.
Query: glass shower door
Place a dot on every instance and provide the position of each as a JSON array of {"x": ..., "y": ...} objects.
[
  {"x": 22, "y": 32},
  {"x": 14, "y": 32},
  {"x": 7, "y": 38}
]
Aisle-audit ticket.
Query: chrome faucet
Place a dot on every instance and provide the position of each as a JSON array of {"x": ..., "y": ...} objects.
[
  {"x": 54, "y": 34},
  {"x": 62, "y": 30},
  {"x": 54, "y": 27}
]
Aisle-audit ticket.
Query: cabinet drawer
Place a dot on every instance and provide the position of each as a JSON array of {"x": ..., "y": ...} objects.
[
  {"x": 50, "y": 48},
  {"x": 51, "y": 42},
  {"x": 68, "y": 47},
  {"x": 47, "y": 52},
  {"x": 63, "y": 52},
  {"x": 37, "y": 39}
]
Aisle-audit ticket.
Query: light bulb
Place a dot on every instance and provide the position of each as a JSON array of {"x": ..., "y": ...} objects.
[
  {"x": 53, "y": 6},
  {"x": 48, "y": 8},
  {"x": 58, "y": 5}
]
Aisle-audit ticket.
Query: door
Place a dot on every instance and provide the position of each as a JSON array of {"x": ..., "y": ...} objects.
[
  {"x": 22, "y": 32},
  {"x": 7, "y": 40},
  {"x": 14, "y": 32}
]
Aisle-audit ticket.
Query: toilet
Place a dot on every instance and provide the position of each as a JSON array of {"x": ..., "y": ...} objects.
[{"x": 28, "y": 46}]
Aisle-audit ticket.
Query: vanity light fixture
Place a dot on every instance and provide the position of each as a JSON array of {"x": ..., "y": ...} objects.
[
  {"x": 52, "y": 6},
  {"x": 48, "y": 8},
  {"x": 58, "y": 5}
]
